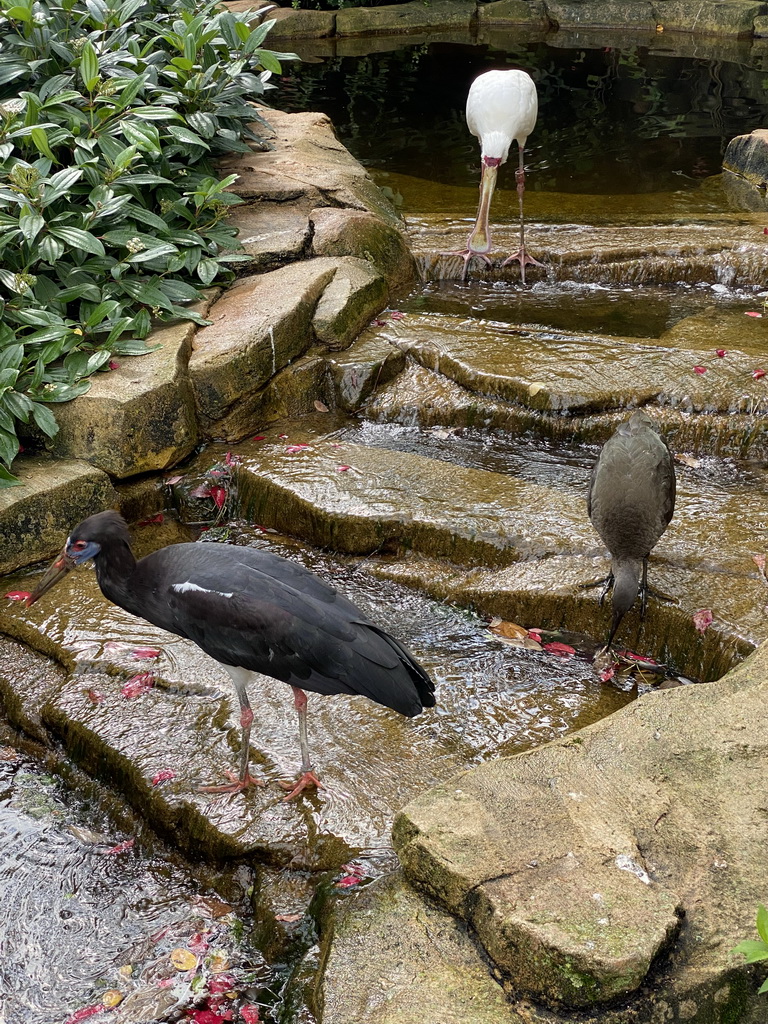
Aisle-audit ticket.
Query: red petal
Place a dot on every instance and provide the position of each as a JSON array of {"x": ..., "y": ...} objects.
[
  {"x": 207, "y": 1017},
  {"x": 219, "y": 495},
  {"x": 631, "y": 656},
  {"x": 753, "y": 314},
  {"x": 720, "y": 352},
  {"x": 231, "y": 460},
  {"x": 121, "y": 848},
  {"x": 18, "y": 595},
  {"x": 395, "y": 314},
  {"x": 347, "y": 881},
  {"x": 759, "y": 374},
  {"x": 113, "y": 364},
  {"x": 283, "y": 437},
  {"x": 145, "y": 652},
  {"x": 158, "y": 518},
  {"x": 258, "y": 437},
  {"x": 296, "y": 448},
  {"x": 173, "y": 480},
  {"x": 608, "y": 673},
  {"x": 702, "y": 620},
  {"x": 342, "y": 469},
  {"x": 84, "y": 1013},
  {"x": 250, "y": 1014},
  {"x": 534, "y": 635},
  {"x": 165, "y": 776},
  {"x": 699, "y": 369},
  {"x": 95, "y": 697},
  {"x": 203, "y": 491},
  {"x": 557, "y": 648},
  {"x": 221, "y": 983},
  {"x": 137, "y": 685}
]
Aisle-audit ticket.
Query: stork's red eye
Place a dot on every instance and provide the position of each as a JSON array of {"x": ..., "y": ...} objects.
[{"x": 78, "y": 545}]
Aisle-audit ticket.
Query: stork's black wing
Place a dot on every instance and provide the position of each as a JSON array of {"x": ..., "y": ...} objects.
[{"x": 261, "y": 612}]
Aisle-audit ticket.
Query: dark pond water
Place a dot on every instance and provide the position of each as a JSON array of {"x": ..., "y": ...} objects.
[{"x": 609, "y": 120}]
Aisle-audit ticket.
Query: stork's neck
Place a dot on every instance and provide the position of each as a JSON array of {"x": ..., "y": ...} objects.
[{"x": 115, "y": 565}]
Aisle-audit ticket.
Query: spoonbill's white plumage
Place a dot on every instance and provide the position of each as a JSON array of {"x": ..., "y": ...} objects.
[{"x": 501, "y": 106}]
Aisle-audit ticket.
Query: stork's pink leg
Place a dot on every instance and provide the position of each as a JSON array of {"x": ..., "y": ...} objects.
[
  {"x": 308, "y": 779},
  {"x": 244, "y": 779}
]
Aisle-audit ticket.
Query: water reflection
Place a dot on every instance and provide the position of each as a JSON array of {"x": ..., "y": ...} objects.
[{"x": 610, "y": 121}]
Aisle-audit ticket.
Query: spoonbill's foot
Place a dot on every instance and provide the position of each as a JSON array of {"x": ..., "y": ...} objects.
[
  {"x": 523, "y": 258},
  {"x": 307, "y": 781},
  {"x": 467, "y": 255},
  {"x": 236, "y": 785},
  {"x": 605, "y": 583}
]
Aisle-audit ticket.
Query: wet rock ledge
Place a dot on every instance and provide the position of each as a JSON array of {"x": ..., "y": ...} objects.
[{"x": 606, "y": 877}]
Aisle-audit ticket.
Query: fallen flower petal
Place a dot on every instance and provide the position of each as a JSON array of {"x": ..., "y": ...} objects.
[
  {"x": 296, "y": 448},
  {"x": 753, "y": 314},
  {"x": 203, "y": 491},
  {"x": 258, "y": 437},
  {"x": 84, "y": 1013},
  {"x": 121, "y": 847},
  {"x": 288, "y": 918},
  {"x": 347, "y": 882},
  {"x": 395, "y": 314},
  {"x": 283, "y": 437},
  {"x": 534, "y": 635},
  {"x": 558, "y": 648},
  {"x": 720, "y": 352},
  {"x": 18, "y": 595},
  {"x": 145, "y": 652},
  {"x": 631, "y": 656},
  {"x": 231, "y": 460},
  {"x": 112, "y": 997},
  {"x": 95, "y": 697},
  {"x": 702, "y": 620},
  {"x": 219, "y": 495},
  {"x": 183, "y": 960},
  {"x": 759, "y": 561},
  {"x": 207, "y": 1017},
  {"x": 250, "y": 1014},
  {"x": 608, "y": 673},
  {"x": 138, "y": 685},
  {"x": 759, "y": 374},
  {"x": 342, "y": 469},
  {"x": 158, "y": 518},
  {"x": 165, "y": 776},
  {"x": 699, "y": 369},
  {"x": 320, "y": 406},
  {"x": 113, "y": 364},
  {"x": 221, "y": 983},
  {"x": 172, "y": 480}
]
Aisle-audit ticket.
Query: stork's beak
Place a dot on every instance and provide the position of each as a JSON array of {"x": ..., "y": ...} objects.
[
  {"x": 59, "y": 568},
  {"x": 480, "y": 237}
]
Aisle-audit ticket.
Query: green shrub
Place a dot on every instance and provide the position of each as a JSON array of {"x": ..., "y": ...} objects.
[
  {"x": 756, "y": 950},
  {"x": 111, "y": 210}
]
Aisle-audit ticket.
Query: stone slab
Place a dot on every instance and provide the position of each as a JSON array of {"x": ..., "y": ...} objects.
[
  {"x": 356, "y": 294},
  {"x": 364, "y": 368},
  {"x": 365, "y": 236},
  {"x": 747, "y": 155},
  {"x": 590, "y": 847},
  {"x": 271, "y": 233},
  {"x": 54, "y": 493},
  {"x": 392, "y": 958},
  {"x": 139, "y": 417},
  {"x": 407, "y": 17}
]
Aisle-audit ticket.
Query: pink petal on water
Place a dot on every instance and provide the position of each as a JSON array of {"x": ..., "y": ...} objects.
[
  {"x": 165, "y": 776},
  {"x": 702, "y": 620},
  {"x": 121, "y": 847},
  {"x": 699, "y": 369},
  {"x": 138, "y": 685},
  {"x": 145, "y": 652},
  {"x": 720, "y": 352},
  {"x": 18, "y": 595},
  {"x": 759, "y": 374},
  {"x": 753, "y": 314}
]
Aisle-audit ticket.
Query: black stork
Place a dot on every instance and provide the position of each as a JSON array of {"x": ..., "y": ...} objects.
[
  {"x": 252, "y": 611},
  {"x": 631, "y": 501}
]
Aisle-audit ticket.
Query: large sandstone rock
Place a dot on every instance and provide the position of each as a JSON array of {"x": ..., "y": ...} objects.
[
  {"x": 366, "y": 236},
  {"x": 418, "y": 965},
  {"x": 581, "y": 861},
  {"x": 307, "y": 163},
  {"x": 409, "y": 17},
  {"x": 259, "y": 326},
  {"x": 747, "y": 156},
  {"x": 137, "y": 418},
  {"x": 54, "y": 494},
  {"x": 357, "y": 293}
]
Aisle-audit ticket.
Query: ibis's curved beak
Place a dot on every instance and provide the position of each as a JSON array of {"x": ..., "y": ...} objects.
[{"x": 59, "y": 568}]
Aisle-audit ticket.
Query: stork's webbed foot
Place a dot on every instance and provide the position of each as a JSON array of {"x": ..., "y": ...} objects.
[{"x": 307, "y": 781}]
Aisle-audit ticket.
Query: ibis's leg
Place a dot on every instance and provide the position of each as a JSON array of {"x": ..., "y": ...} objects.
[
  {"x": 644, "y": 589},
  {"x": 244, "y": 779},
  {"x": 308, "y": 778},
  {"x": 521, "y": 255}
]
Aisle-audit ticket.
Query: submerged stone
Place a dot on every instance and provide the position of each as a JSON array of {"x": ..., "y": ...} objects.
[{"x": 747, "y": 155}]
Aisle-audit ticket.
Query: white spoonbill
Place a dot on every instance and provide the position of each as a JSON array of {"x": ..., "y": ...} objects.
[{"x": 501, "y": 106}]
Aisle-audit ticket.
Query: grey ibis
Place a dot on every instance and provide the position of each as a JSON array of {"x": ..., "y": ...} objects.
[
  {"x": 631, "y": 501},
  {"x": 252, "y": 611},
  {"x": 501, "y": 106}
]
